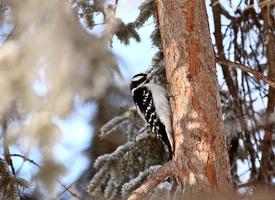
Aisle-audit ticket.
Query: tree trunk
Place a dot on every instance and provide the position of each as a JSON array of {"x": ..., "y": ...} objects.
[{"x": 200, "y": 149}]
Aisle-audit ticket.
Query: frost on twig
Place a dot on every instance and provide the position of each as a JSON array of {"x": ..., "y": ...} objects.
[
  {"x": 138, "y": 154},
  {"x": 117, "y": 122},
  {"x": 114, "y": 124},
  {"x": 120, "y": 151},
  {"x": 111, "y": 189},
  {"x": 144, "y": 133},
  {"x": 98, "y": 179},
  {"x": 133, "y": 184},
  {"x": 155, "y": 179},
  {"x": 125, "y": 164},
  {"x": 129, "y": 164}
]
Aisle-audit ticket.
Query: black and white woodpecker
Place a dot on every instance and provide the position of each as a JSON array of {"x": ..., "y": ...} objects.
[{"x": 152, "y": 105}]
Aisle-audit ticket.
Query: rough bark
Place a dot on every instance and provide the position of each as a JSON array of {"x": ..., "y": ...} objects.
[{"x": 200, "y": 149}]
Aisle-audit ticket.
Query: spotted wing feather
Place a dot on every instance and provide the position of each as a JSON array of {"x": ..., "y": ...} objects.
[{"x": 146, "y": 108}]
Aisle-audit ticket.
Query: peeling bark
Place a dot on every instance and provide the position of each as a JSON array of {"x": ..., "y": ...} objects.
[{"x": 200, "y": 150}]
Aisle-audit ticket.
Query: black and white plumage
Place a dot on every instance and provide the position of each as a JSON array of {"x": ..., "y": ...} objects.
[{"x": 152, "y": 105}]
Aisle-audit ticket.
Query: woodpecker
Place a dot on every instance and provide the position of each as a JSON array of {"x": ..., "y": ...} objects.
[{"x": 153, "y": 107}]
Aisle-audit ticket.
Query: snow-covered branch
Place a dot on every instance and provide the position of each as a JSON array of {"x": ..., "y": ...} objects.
[
  {"x": 129, "y": 186},
  {"x": 156, "y": 178}
]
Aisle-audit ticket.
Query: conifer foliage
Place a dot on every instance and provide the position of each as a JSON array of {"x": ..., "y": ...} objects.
[
  {"x": 130, "y": 164},
  {"x": 10, "y": 185},
  {"x": 242, "y": 30},
  {"x": 53, "y": 45}
]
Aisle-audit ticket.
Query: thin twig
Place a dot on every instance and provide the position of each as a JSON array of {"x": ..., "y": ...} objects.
[
  {"x": 156, "y": 178},
  {"x": 66, "y": 189},
  {"x": 25, "y": 159},
  {"x": 244, "y": 68},
  {"x": 37, "y": 165},
  {"x": 262, "y": 4},
  {"x": 249, "y": 184},
  {"x": 6, "y": 147},
  {"x": 6, "y": 143}
]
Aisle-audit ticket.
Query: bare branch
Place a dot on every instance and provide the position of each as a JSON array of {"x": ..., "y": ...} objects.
[
  {"x": 244, "y": 68},
  {"x": 25, "y": 159},
  {"x": 156, "y": 178},
  {"x": 249, "y": 184}
]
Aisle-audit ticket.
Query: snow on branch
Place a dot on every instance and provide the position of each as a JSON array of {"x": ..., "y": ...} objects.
[
  {"x": 144, "y": 133},
  {"x": 153, "y": 181},
  {"x": 98, "y": 178},
  {"x": 111, "y": 189},
  {"x": 124, "y": 164},
  {"x": 113, "y": 125},
  {"x": 116, "y": 123},
  {"x": 121, "y": 150},
  {"x": 132, "y": 184}
]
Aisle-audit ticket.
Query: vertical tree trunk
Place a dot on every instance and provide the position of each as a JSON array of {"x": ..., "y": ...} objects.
[{"x": 200, "y": 149}]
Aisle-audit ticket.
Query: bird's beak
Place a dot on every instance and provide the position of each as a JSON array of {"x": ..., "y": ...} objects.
[
  {"x": 153, "y": 73},
  {"x": 150, "y": 76}
]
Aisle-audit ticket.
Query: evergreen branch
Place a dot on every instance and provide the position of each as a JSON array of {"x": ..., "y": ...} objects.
[
  {"x": 132, "y": 184},
  {"x": 156, "y": 38},
  {"x": 4, "y": 168},
  {"x": 111, "y": 189},
  {"x": 114, "y": 124},
  {"x": 113, "y": 156},
  {"x": 247, "y": 69},
  {"x": 37, "y": 165},
  {"x": 13, "y": 185},
  {"x": 10, "y": 184},
  {"x": 20, "y": 182},
  {"x": 98, "y": 179},
  {"x": 6, "y": 143},
  {"x": 157, "y": 60},
  {"x": 125, "y": 32},
  {"x": 144, "y": 133},
  {"x": 146, "y": 11},
  {"x": 156, "y": 178}
]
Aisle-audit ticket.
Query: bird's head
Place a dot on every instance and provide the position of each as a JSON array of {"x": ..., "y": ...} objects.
[{"x": 139, "y": 80}]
